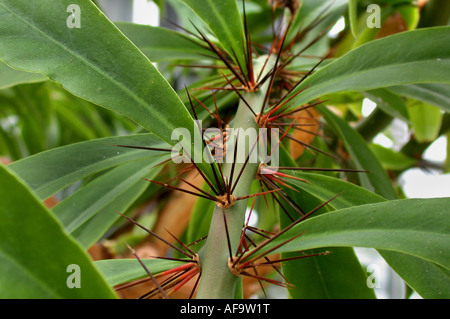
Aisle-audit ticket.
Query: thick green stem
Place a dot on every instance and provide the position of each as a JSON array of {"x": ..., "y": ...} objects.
[{"x": 217, "y": 282}]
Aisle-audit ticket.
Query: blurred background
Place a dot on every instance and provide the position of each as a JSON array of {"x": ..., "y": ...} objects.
[{"x": 416, "y": 154}]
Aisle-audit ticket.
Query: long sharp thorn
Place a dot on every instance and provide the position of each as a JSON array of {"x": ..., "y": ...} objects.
[
  {"x": 219, "y": 121},
  {"x": 180, "y": 242},
  {"x": 172, "y": 258},
  {"x": 228, "y": 235},
  {"x": 147, "y": 148},
  {"x": 317, "y": 208},
  {"x": 198, "y": 240},
  {"x": 282, "y": 207},
  {"x": 299, "y": 109},
  {"x": 155, "y": 235},
  {"x": 239, "y": 94},
  {"x": 290, "y": 258},
  {"x": 182, "y": 190},
  {"x": 308, "y": 146},
  {"x": 233, "y": 165},
  {"x": 274, "y": 73},
  {"x": 245, "y": 163},
  {"x": 148, "y": 272},
  {"x": 257, "y": 194},
  {"x": 274, "y": 282},
  {"x": 195, "y": 286},
  {"x": 274, "y": 267},
  {"x": 211, "y": 161},
  {"x": 199, "y": 170},
  {"x": 268, "y": 251},
  {"x": 321, "y": 169},
  {"x": 198, "y": 188},
  {"x": 221, "y": 56}
]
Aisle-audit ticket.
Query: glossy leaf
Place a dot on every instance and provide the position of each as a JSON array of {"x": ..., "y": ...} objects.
[
  {"x": 103, "y": 67},
  {"x": 426, "y": 278},
  {"x": 372, "y": 66},
  {"x": 225, "y": 22},
  {"x": 353, "y": 16},
  {"x": 392, "y": 160},
  {"x": 35, "y": 251},
  {"x": 377, "y": 180},
  {"x": 160, "y": 44},
  {"x": 51, "y": 171},
  {"x": 119, "y": 271},
  {"x": 339, "y": 274},
  {"x": 432, "y": 93},
  {"x": 426, "y": 120},
  {"x": 416, "y": 227},
  {"x": 10, "y": 77}
]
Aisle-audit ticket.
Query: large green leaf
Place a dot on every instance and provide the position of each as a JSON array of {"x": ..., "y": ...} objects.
[
  {"x": 10, "y": 77},
  {"x": 51, "y": 171},
  {"x": 392, "y": 160},
  {"x": 418, "y": 56},
  {"x": 416, "y": 227},
  {"x": 95, "y": 62},
  {"x": 119, "y": 271},
  {"x": 426, "y": 278},
  {"x": 35, "y": 252},
  {"x": 312, "y": 11},
  {"x": 426, "y": 121},
  {"x": 224, "y": 20},
  {"x": 436, "y": 94},
  {"x": 376, "y": 180},
  {"x": 338, "y": 275},
  {"x": 160, "y": 44}
]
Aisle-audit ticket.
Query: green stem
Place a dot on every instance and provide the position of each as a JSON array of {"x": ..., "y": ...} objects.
[
  {"x": 217, "y": 282},
  {"x": 375, "y": 123}
]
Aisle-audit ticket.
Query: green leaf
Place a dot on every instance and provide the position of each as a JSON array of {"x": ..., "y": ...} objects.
[
  {"x": 426, "y": 120},
  {"x": 35, "y": 252},
  {"x": 98, "y": 201},
  {"x": 312, "y": 11},
  {"x": 225, "y": 22},
  {"x": 119, "y": 271},
  {"x": 200, "y": 219},
  {"x": 353, "y": 16},
  {"x": 325, "y": 187},
  {"x": 338, "y": 275},
  {"x": 432, "y": 93},
  {"x": 426, "y": 278},
  {"x": 50, "y": 171},
  {"x": 372, "y": 66},
  {"x": 160, "y": 44},
  {"x": 410, "y": 14},
  {"x": 416, "y": 227},
  {"x": 95, "y": 62},
  {"x": 392, "y": 160},
  {"x": 377, "y": 180},
  {"x": 10, "y": 77}
]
